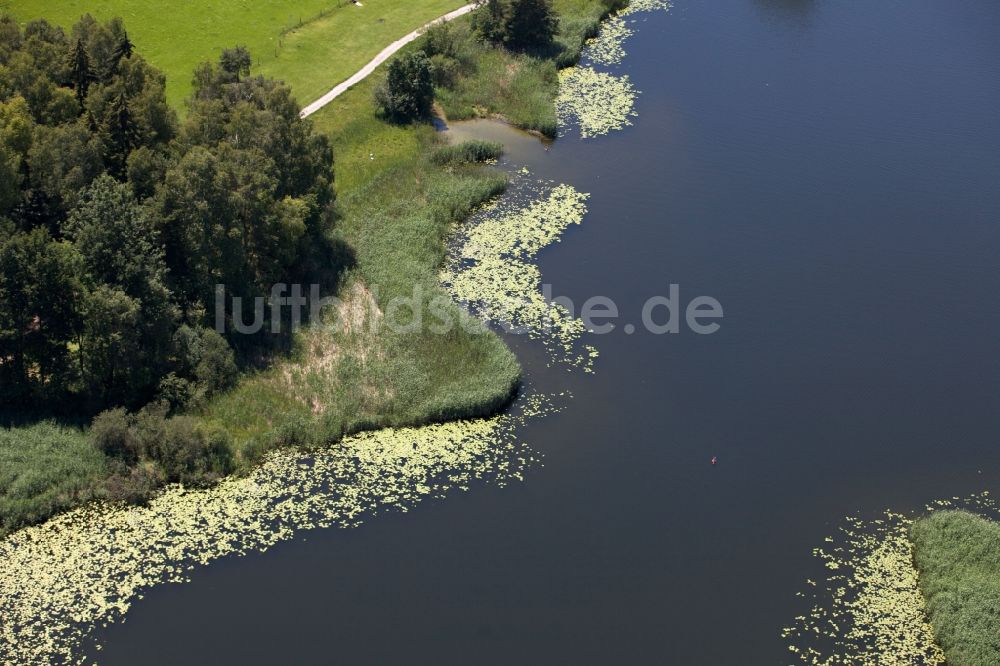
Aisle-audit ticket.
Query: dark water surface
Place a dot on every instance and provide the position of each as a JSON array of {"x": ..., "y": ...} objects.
[{"x": 829, "y": 171}]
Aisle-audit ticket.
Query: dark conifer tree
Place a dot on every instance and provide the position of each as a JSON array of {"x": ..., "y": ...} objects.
[
  {"x": 122, "y": 136},
  {"x": 122, "y": 50},
  {"x": 81, "y": 73},
  {"x": 531, "y": 24}
]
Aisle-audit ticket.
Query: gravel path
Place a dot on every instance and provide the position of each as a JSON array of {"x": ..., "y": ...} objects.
[{"x": 383, "y": 55}]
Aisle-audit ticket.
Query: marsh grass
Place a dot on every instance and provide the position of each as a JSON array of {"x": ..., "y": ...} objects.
[
  {"x": 467, "y": 152},
  {"x": 45, "y": 468},
  {"x": 957, "y": 554},
  {"x": 396, "y": 209}
]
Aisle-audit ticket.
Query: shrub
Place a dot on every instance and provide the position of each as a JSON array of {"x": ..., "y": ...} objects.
[
  {"x": 518, "y": 24},
  {"x": 441, "y": 39},
  {"x": 191, "y": 456},
  {"x": 207, "y": 357},
  {"x": 133, "y": 485},
  {"x": 112, "y": 434},
  {"x": 216, "y": 368},
  {"x": 408, "y": 90},
  {"x": 445, "y": 70},
  {"x": 177, "y": 449},
  {"x": 489, "y": 21},
  {"x": 176, "y": 392},
  {"x": 184, "y": 453}
]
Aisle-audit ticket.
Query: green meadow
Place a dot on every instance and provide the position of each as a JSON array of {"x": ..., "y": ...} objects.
[
  {"x": 311, "y": 44},
  {"x": 323, "y": 52}
]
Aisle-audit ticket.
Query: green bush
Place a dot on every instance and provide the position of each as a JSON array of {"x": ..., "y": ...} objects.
[
  {"x": 445, "y": 70},
  {"x": 177, "y": 392},
  {"x": 408, "y": 90},
  {"x": 189, "y": 455},
  {"x": 216, "y": 367},
  {"x": 133, "y": 485},
  {"x": 178, "y": 449},
  {"x": 529, "y": 25},
  {"x": 442, "y": 39},
  {"x": 113, "y": 435}
]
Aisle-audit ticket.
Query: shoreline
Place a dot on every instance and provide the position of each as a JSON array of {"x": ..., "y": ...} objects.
[
  {"x": 451, "y": 412},
  {"x": 484, "y": 390}
]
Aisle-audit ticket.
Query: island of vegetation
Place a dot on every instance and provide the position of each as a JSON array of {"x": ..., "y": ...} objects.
[
  {"x": 899, "y": 589},
  {"x": 957, "y": 554}
]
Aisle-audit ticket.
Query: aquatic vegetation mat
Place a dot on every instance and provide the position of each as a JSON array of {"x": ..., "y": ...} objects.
[
  {"x": 86, "y": 567},
  {"x": 599, "y": 102},
  {"x": 608, "y": 48},
  {"x": 638, "y": 6},
  {"x": 491, "y": 267},
  {"x": 869, "y": 608}
]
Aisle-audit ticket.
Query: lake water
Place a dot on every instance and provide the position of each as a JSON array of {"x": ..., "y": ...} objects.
[{"x": 830, "y": 172}]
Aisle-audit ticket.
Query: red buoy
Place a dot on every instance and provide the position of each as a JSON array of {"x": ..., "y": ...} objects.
[{"x": 715, "y": 460}]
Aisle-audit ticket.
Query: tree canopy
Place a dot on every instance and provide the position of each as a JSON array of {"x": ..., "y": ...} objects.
[
  {"x": 525, "y": 25},
  {"x": 408, "y": 90},
  {"x": 117, "y": 219}
]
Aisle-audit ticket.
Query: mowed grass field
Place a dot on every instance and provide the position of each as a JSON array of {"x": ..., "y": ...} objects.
[
  {"x": 311, "y": 44},
  {"x": 324, "y": 52}
]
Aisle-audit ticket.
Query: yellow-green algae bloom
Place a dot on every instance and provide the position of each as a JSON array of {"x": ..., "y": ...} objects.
[
  {"x": 637, "y": 6},
  {"x": 491, "y": 268},
  {"x": 596, "y": 101},
  {"x": 86, "y": 567},
  {"x": 608, "y": 48},
  {"x": 868, "y": 610}
]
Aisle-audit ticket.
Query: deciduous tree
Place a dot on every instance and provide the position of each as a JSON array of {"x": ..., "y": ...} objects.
[{"x": 408, "y": 90}]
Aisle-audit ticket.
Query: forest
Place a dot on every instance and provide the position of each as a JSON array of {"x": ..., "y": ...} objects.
[{"x": 118, "y": 219}]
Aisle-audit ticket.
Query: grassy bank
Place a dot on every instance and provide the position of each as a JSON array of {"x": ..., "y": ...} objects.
[
  {"x": 399, "y": 195},
  {"x": 312, "y": 44},
  {"x": 397, "y": 204},
  {"x": 958, "y": 558},
  {"x": 359, "y": 374}
]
